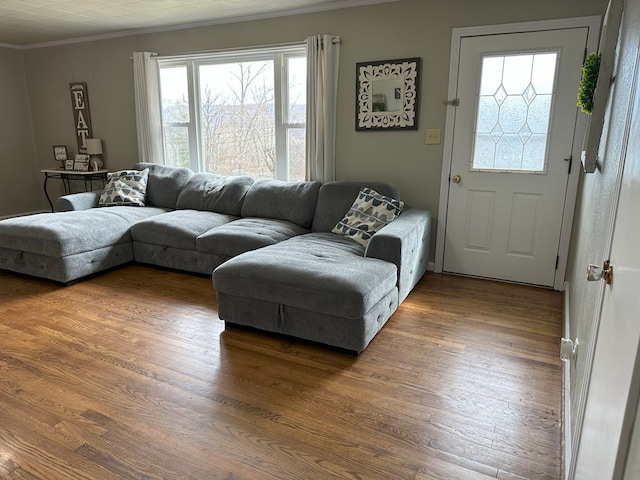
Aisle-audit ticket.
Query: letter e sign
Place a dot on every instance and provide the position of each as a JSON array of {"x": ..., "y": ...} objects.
[{"x": 81, "y": 117}]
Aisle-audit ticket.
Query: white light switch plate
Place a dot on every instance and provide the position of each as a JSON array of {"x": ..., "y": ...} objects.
[{"x": 433, "y": 136}]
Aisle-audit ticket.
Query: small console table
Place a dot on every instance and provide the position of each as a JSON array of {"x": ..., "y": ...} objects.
[{"x": 67, "y": 175}]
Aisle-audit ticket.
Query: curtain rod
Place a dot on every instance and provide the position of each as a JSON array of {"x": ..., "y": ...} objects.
[{"x": 335, "y": 40}]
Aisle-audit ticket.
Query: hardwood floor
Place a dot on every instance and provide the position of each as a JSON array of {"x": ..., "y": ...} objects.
[{"x": 130, "y": 374}]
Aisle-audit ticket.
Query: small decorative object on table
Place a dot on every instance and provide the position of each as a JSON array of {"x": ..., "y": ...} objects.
[
  {"x": 60, "y": 154},
  {"x": 82, "y": 162},
  {"x": 68, "y": 164},
  {"x": 94, "y": 148}
]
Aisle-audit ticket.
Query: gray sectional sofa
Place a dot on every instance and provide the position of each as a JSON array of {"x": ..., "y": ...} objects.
[{"x": 275, "y": 263}]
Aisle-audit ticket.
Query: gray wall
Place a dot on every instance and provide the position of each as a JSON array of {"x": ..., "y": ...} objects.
[
  {"x": 596, "y": 207},
  {"x": 409, "y": 28},
  {"x": 19, "y": 175}
]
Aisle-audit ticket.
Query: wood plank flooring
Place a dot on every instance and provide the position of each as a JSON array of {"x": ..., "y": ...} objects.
[{"x": 131, "y": 375}]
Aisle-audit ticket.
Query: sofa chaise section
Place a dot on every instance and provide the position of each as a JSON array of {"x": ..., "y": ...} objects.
[
  {"x": 317, "y": 287},
  {"x": 66, "y": 246},
  {"x": 322, "y": 286}
]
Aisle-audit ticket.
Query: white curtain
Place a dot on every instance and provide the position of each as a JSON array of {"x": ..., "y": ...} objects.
[
  {"x": 147, "y": 98},
  {"x": 323, "y": 53}
]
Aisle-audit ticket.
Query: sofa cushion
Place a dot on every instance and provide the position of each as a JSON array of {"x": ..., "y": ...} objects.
[
  {"x": 246, "y": 234},
  {"x": 369, "y": 213},
  {"x": 126, "y": 187},
  {"x": 215, "y": 193},
  {"x": 164, "y": 184},
  {"x": 335, "y": 199},
  {"x": 178, "y": 229},
  {"x": 291, "y": 201},
  {"x": 67, "y": 233},
  {"x": 319, "y": 272}
]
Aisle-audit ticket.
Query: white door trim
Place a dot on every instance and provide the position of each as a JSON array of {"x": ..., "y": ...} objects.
[{"x": 593, "y": 24}]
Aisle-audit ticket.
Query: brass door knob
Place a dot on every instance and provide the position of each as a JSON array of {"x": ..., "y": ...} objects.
[
  {"x": 456, "y": 179},
  {"x": 595, "y": 272}
]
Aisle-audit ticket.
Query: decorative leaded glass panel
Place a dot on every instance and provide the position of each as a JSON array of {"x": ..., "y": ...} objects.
[{"x": 514, "y": 109}]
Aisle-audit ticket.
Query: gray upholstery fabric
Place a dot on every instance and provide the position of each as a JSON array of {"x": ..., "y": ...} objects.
[
  {"x": 319, "y": 272},
  {"x": 78, "y": 201},
  {"x": 67, "y": 233},
  {"x": 246, "y": 234},
  {"x": 270, "y": 272},
  {"x": 164, "y": 184},
  {"x": 405, "y": 243},
  {"x": 291, "y": 201},
  {"x": 336, "y": 331},
  {"x": 178, "y": 228},
  {"x": 176, "y": 258},
  {"x": 215, "y": 193},
  {"x": 335, "y": 200},
  {"x": 65, "y": 269}
]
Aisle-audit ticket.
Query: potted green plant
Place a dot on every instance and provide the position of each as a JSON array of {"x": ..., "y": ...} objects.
[{"x": 587, "y": 87}]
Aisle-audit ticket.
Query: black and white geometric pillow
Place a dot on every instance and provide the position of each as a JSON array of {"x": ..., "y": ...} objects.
[
  {"x": 369, "y": 213},
  {"x": 126, "y": 187}
]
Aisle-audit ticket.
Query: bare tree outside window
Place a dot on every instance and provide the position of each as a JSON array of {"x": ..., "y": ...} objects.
[
  {"x": 237, "y": 118},
  {"x": 239, "y": 115}
]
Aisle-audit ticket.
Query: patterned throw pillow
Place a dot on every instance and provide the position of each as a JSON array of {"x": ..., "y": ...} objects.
[
  {"x": 369, "y": 213},
  {"x": 126, "y": 187}
]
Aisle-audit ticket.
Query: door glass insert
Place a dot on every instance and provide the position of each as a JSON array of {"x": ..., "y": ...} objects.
[{"x": 514, "y": 109}]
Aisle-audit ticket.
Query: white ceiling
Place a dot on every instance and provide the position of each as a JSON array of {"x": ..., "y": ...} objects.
[{"x": 33, "y": 22}]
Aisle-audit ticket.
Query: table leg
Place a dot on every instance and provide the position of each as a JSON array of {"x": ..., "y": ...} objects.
[
  {"x": 46, "y": 194},
  {"x": 66, "y": 181}
]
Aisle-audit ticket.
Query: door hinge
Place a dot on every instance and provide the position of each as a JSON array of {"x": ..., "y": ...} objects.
[
  {"x": 557, "y": 261},
  {"x": 454, "y": 103}
]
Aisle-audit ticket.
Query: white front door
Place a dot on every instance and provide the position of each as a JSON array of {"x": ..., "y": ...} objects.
[{"x": 513, "y": 135}]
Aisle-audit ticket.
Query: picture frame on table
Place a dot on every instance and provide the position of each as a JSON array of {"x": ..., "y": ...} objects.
[
  {"x": 81, "y": 163},
  {"x": 60, "y": 152},
  {"x": 68, "y": 164}
]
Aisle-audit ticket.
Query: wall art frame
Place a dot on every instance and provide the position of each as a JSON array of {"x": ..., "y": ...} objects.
[
  {"x": 387, "y": 94},
  {"x": 60, "y": 152}
]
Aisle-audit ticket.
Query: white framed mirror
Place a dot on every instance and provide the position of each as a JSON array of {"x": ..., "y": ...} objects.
[{"x": 387, "y": 94}]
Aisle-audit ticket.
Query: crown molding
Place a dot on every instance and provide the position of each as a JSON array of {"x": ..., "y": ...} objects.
[{"x": 199, "y": 24}]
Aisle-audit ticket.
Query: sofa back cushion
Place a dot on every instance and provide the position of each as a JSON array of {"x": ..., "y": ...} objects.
[
  {"x": 294, "y": 202},
  {"x": 164, "y": 184},
  {"x": 214, "y": 193},
  {"x": 336, "y": 198}
]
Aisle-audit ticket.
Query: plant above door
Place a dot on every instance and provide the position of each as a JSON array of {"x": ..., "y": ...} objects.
[{"x": 588, "y": 82}]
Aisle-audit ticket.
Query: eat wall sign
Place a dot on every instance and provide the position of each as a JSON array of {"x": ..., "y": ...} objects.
[{"x": 81, "y": 117}]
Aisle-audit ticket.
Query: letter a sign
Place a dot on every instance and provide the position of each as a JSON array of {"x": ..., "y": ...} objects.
[{"x": 81, "y": 117}]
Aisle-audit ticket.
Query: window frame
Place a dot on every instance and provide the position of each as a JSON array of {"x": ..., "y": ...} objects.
[{"x": 282, "y": 124}]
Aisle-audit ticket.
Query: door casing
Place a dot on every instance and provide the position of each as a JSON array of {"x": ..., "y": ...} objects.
[{"x": 593, "y": 25}]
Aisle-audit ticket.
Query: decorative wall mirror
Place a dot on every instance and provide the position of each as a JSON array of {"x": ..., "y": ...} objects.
[{"x": 387, "y": 94}]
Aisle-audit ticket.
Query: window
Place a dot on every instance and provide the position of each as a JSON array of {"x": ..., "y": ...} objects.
[
  {"x": 239, "y": 113},
  {"x": 514, "y": 109}
]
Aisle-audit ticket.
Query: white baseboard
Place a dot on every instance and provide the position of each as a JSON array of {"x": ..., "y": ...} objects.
[
  {"x": 431, "y": 266},
  {"x": 23, "y": 214},
  {"x": 566, "y": 394}
]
